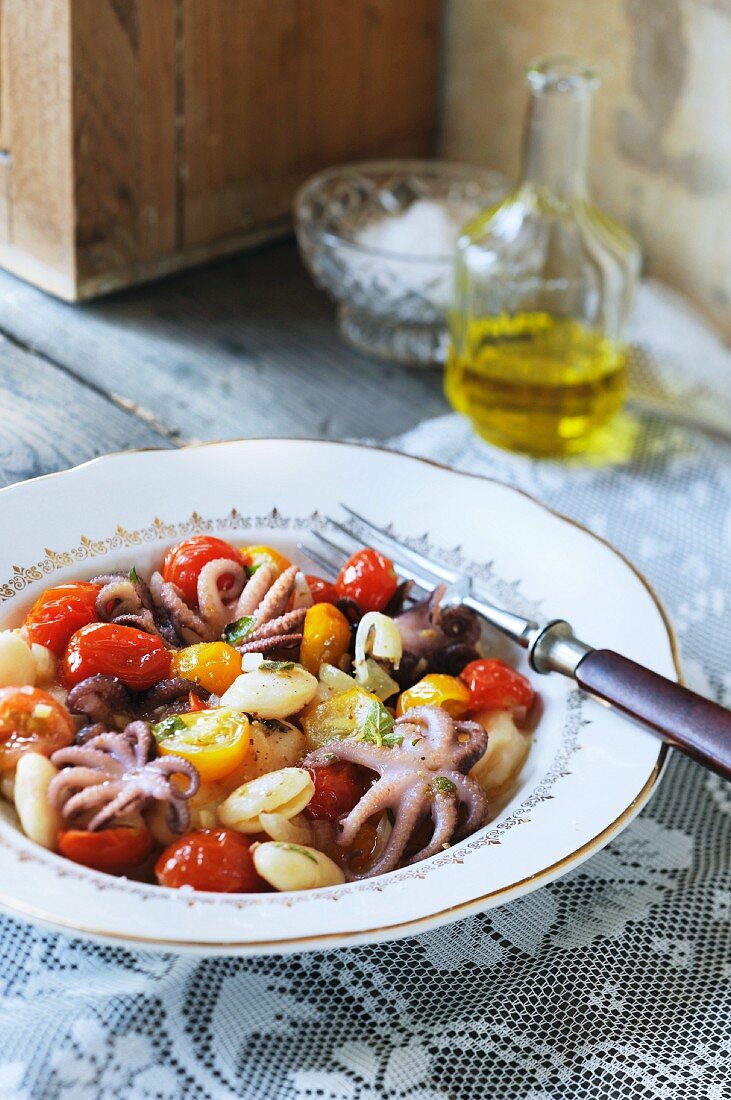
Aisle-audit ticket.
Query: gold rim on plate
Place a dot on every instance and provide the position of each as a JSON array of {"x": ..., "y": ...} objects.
[{"x": 402, "y": 928}]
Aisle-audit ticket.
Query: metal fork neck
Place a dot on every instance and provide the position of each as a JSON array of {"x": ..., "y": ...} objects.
[{"x": 555, "y": 648}]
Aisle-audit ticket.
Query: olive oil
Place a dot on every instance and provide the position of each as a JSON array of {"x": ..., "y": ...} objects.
[{"x": 535, "y": 382}]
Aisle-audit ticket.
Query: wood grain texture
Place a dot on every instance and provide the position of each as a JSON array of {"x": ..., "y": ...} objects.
[
  {"x": 50, "y": 420},
  {"x": 246, "y": 348},
  {"x": 37, "y": 130},
  {"x": 274, "y": 89},
  {"x": 125, "y": 173}
]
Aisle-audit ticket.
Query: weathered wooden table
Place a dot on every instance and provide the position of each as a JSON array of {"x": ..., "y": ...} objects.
[{"x": 245, "y": 348}]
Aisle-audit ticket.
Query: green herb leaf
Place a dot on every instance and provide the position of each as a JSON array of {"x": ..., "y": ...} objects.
[
  {"x": 276, "y": 666},
  {"x": 297, "y": 848},
  {"x": 442, "y": 785},
  {"x": 236, "y": 632},
  {"x": 168, "y": 727},
  {"x": 133, "y": 576},
  {"x": 251, "y": 569},
  {"x": 378, "y": 727}
]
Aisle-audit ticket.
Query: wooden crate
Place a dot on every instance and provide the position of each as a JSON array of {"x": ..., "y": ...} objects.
[{"x": 142, "y": 136}]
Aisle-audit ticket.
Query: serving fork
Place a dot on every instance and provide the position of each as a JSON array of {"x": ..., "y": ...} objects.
[{"x": 698, "y": 727}]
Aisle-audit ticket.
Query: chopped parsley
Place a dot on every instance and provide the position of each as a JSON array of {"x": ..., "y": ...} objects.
[
  {"x": 378, "y": 727},
  {"x": 276, "y": 666},
  {"x": 133, "y": 576},
  {"x": 251, "y": 569},
  {"x": 442, "y": 785},
  {"x": 300, "y": 850},
  {"x": 168, "y": 727},
  {"x": 236, "y": 632}
]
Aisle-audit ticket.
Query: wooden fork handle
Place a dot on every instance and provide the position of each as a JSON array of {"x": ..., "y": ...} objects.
[{"x": 694, "y": 725}]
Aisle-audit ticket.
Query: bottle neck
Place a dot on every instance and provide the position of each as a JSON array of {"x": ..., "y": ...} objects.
[{"x": 556, "y": 142}]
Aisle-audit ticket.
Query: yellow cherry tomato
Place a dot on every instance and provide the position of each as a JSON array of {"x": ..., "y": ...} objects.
[
  {"x": 337, "y": 718},
  {"x": 436, "y": 690},
  {"x": 215, "y": 741},
  {"x": 325, "y": 637},
  {"x": 254, "y": 556},
  {"x": 213, "y": 665}
]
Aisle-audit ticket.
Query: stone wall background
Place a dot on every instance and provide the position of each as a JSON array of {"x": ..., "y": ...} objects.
[{"x": 662, "y": 122}]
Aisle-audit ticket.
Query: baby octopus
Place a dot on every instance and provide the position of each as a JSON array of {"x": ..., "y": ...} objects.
[
  {"x": 425, "y": 775},
  {"x": 112, "y": 773}
]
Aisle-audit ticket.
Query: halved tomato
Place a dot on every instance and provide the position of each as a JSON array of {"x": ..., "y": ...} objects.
[
  {"x": 31, "y": 720},
  {"x": 215, "y": 741}
]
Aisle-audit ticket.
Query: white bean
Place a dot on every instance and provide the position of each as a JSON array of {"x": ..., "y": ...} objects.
[
  {"x": 507, "y": 749},
  {"x": 295, "y": 866},
  {"x": 45, "y": 663},
  {"x": 39, "y": 820},
  {"x": 285, "y": 792},
  {"x": 295, "y": 830},
  {"x": 17, "y": 667},
  {"x": 271, "y": 693}
]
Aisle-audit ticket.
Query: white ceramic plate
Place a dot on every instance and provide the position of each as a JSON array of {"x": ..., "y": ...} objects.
[{"x": 588, "y": 773}]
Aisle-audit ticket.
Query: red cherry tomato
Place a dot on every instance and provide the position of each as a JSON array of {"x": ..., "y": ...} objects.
[
  {"x": 369, "y": 579},
  {"x": 338, "y": 786},
  {"x": 322, "y": 591},
  {"x": 195, "y": 703},
  {"x": 31, "y": 720},
  {"x": 183, "y": 563},
  {"x": 59, "y": 612},
  {"x": 139, "y": 660},
  {"x": 113, "y": 850},
  {"x": 217, "y": 860},
  {"x": 492, "y": 683}
]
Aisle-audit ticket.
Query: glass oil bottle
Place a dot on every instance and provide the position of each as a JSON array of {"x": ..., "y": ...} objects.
[{"x": 543, "y": 286}]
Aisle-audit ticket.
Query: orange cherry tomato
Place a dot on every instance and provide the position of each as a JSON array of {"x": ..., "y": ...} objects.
[
  {"x": 213, "y": 665},
  {"x": 59, "y": 612},
  {"x": 182, "y": 563},
  {"x": 436, "y": 690},
  {"x": 322, "y": 591},
  {"x": 338, "y": 787},
  {"x": 492, "y": 683},
  {"x": 254, "y": 556},
  {"x": 369, "y": 579},
  {"x": 139, "y": 660},
  {"x": 218, "y": 860},
  {"x": 325, "y": 637},
  {"x": 31, "y": 720},
  {"x": 113, "y": 850}
]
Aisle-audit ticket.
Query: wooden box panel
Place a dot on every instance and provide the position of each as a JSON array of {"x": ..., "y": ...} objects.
[{"x": 142, "y": 136}]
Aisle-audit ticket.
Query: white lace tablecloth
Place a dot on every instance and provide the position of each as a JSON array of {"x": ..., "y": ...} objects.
[{"x": 612, "y": 983}]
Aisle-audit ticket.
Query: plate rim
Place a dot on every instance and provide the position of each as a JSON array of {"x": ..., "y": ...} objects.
[{"x": 412, "y": 926}]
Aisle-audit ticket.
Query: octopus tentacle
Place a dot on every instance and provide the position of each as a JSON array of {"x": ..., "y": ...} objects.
[
  {"x": 211, "y": 606},
  {"x": 142, "y": 620},
  {"x": 408, "y": 818},
  {"x": 188, "y": 625},
  {"x": 444, "y": 815},
  {"x": 176, "y": 765},
  {"x": 474, "y": 798},
  {"x": 117, "y": 597},
  {"x": 100, "y": 698},
  {"x": 264, "y": 645},
  {"x": 255, "y": 590},
  {"x": 375, "y": 800},
  {"x": 275, "y": 601},
  {"x": 289, "y": 623}
]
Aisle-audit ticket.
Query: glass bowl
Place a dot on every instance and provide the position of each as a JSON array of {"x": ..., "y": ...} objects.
[{"x": 379, "y": 237}]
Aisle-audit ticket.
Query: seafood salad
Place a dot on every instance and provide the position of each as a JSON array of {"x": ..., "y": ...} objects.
[{"x": 230, "y": 723}]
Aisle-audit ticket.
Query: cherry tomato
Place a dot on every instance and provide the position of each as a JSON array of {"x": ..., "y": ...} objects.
[
  {"x": 139, "y": 660},
  {"x": 492, "y": 683},
  {"x": 322, "y": 591},
  {"x": 213, "y": 665},
  {"x": 59, "y": 612},
  {"x": 31, "y": 720},
  {"x": 436, "y": 690},
  {"x": 216, "y": 860},
  {"x": 112, "y": 850},
  {"x": 195, "y": 703},
  {"x": 182, "y": 563},
  {"x": 325, "y": 637},
  {"x": 338, "y": 787},
  {"x": 254, "y": 556},
  {"x": 369, "y": 579},
  {"x": 215, "y": 740}
]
